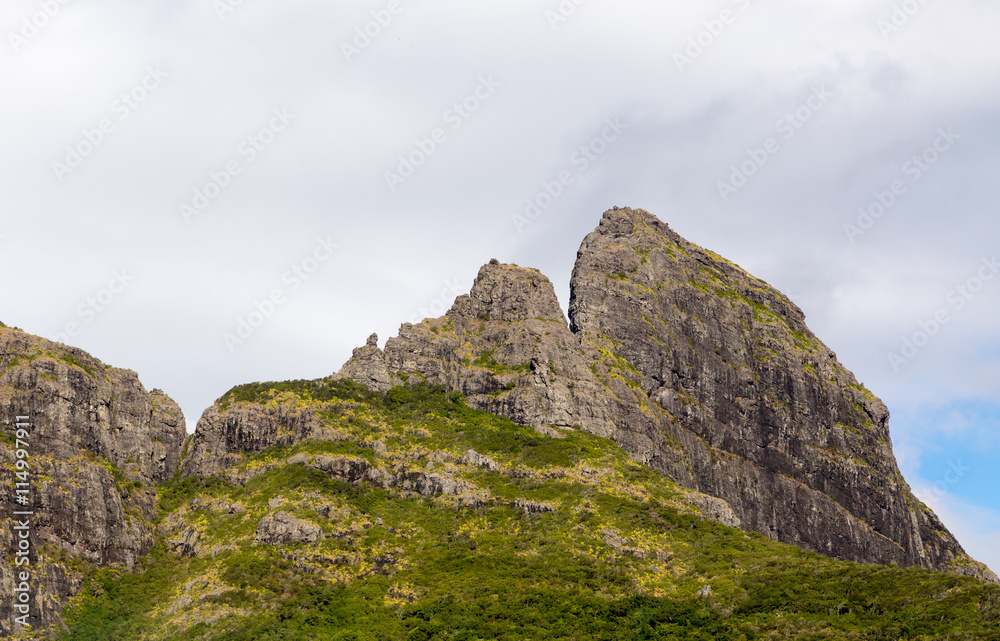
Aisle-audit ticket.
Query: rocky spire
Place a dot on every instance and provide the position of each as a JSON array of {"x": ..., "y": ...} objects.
[{"x": 509, "y": 293}]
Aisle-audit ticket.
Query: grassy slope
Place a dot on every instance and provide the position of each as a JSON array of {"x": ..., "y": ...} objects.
[{"x": 622, "y": 554}]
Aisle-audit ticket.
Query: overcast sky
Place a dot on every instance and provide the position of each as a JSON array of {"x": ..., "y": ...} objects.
[{"x": 322, "y": 170}]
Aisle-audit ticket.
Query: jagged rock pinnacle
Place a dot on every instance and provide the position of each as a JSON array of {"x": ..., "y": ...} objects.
[{"x": 509, "y": 293}]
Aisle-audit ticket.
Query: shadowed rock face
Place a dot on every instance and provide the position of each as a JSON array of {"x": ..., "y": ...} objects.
[
  {"x": 85, "y": 418},
  {"x": 768, "y": 418},
  {"x": 696, "y": 368},
  {"x": 223, "y": 434}
]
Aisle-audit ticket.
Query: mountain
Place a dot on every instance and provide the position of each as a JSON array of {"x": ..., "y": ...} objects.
[
  {"x": 698, "y": 370},
  {"x": 680, "y": 458},
  {"x": 97, "y": 446}
]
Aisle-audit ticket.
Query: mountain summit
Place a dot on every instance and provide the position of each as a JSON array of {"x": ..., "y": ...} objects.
[
  {"x": 637, "y": 470},
  {"x": 698, "y": 370}
]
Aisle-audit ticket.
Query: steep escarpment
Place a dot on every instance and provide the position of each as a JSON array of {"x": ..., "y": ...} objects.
[
  {"x": 770, "y": 420},
  {"x": 98, "y": 445},
  {"x": 698, "y": 370}
]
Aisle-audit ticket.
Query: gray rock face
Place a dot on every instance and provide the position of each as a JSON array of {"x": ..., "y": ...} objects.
[
  {"x": 475, "y": 459},
  {"x": 342, "y": 468},
  {"x": 223, "y": 433},
  {"x": 98, "y": 444},
  {"x": 81, "y": 404},
  {"x": 698, "y": 370},
  {"x": 506, "y": 346},
  {"x": 282, "y": 528},
  {"x": 765, "y": 415},
  {"x": 366, "y": 366}
]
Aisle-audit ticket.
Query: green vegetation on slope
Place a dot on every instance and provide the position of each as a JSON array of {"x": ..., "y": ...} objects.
[{"x": 544, "y": 539}]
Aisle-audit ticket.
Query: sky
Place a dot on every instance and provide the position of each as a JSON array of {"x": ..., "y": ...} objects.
[{"x": 214, "y": 192}]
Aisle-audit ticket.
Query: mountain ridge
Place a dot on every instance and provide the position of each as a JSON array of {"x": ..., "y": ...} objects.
[
  {"x": 680, "y": 399},
  {"x": 687, "y": 346}
]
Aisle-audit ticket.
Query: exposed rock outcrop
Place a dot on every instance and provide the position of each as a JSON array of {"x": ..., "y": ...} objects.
[
  {"x": 81, "y": 404},
  {"x": 765, "y": 415},
  {"x": 698, "y": 370},
  {"x": 98, "y": 443},
  {"x": 223, "y": 433},
  {"x": 282, "y": 528},
  {"x": 507, "y": 347}
]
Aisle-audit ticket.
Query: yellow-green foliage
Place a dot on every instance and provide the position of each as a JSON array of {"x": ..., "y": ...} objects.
[{"x": 571, "y": 539}]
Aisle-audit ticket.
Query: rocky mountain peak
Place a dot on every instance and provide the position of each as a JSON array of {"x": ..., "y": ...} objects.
[
  {"x": 697, "y": 369},
  {"x": 509, "y": 293},
  {"x": 632, "y": 245}
]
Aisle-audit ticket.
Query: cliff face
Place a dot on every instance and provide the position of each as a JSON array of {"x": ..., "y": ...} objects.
[
  {"x": 98, "y": 444},
  {"x": 698, "y": 370},
  {"x": 225, "y": 433},
  {"x": 769, "y": 420}
]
